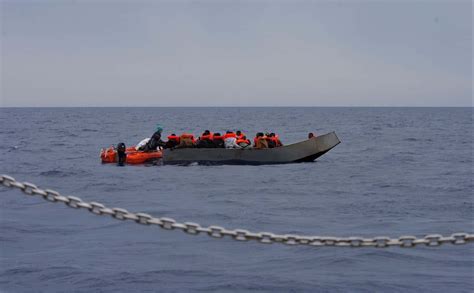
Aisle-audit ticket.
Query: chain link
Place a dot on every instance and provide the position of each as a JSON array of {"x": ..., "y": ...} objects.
[{"x": 237, "y": 234}]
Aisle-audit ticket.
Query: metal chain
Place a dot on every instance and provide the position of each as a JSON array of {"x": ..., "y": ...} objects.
[{"x": 237, "y": 234}]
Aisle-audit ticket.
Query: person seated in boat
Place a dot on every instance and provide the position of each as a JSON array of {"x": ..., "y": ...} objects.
[
  {"x": 173, "y": 141},
  {"x": 270, "y": 141},
  {"x": 230, "y": 140},
  {"x": 155, "y": 141},
  {"x": 260, "y": 141},
  {"x": 205, "y": 140},
  {"x": 186, "y": 140},
  {"x": 239, "y": 134},
  {"x": 275, "y": 139},
  {"x": 217, "y": 140},
  {"x": 243, "y": 142},
  {"x": 311, "y": 135},
  {"x": 257, "y": 136}
]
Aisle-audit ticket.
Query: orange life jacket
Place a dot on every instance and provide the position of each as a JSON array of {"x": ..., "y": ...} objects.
[
  {"x": 206, "y": 137},
  {"x": 173, "y": 138},
  {"x": 187, "y": 135},
  {"x": 217, "y": 137},
  {"x": 227, "y": 135},
  {"x": 241, "y": 136},
  {"x": 277, "y": 141},
  {"x": 261, "y": 143},
  {"x": 255, "y": 139},
  {"x": 261, "y": 137},
  {"x": 241, "y": 140}
]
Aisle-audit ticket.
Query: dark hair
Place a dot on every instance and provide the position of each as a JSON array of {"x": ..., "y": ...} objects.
[
  {"x": 173, "y": 134},
  {"x": 259, "y": 134},
  {"x": 238, "y": 132},
  {"x": 310, "y": 135},
  {"x": 244, "y": 137},
  {"x": 272, "y": 134},
  {"x": 206, "y": 132},
  {"x": 217, "y": 134}
]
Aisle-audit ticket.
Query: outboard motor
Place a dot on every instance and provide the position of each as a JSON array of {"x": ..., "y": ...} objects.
[{"x": 122, "y": 156}]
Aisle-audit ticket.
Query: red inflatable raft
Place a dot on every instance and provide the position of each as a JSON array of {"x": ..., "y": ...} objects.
[{"x": 133, "y": 156}]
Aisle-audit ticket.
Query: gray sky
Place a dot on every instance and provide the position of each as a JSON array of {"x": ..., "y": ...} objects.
[{"x": 236, "y": 53}]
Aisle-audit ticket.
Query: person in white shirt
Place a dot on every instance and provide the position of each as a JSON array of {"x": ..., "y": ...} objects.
[{"x": 230, "y": 140}]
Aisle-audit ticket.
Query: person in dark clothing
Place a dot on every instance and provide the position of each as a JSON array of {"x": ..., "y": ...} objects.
[
  {"x": 122, "y": 156},
  {"x": 155, "y": 140},
  {"x": 218, "y": 140},
  {"x": 173, "y": 140},
  {"x": 205, "y": 140}
]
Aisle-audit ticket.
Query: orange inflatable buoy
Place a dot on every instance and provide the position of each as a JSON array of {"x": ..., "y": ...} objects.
[{"x": 109, "y": 155}]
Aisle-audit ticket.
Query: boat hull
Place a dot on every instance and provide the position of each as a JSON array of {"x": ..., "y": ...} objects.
[{"x": 304, "y": 151}]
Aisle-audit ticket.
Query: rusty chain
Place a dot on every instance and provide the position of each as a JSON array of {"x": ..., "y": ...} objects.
[{"x": 237, "y": 234}]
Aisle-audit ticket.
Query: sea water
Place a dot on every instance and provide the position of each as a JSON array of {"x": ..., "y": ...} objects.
[{"x": 398, "y": 171}]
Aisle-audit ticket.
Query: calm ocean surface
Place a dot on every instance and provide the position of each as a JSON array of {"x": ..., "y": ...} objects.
[{"x": 397, "y": 171}]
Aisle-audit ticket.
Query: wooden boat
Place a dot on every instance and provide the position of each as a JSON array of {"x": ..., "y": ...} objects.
[{"x": 304, "y": 151}]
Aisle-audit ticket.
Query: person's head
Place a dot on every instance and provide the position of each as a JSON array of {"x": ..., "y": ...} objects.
[
  {"x": 244, "y": 137},
  {"x": 228, "y": 131},
  {"x": 173, "y": 134},
  {"x": 310, "y": 135},
  {"x": 238, "y": 132},
  {"x": 206, "y": 132},
  {"x": 272, "y": 134},
  {"x": 259, "y": 134},
  {"x": 159, "y": 128},
  {"x": 217, "y": 134}
]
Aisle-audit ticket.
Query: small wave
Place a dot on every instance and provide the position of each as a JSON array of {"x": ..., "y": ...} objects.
[
  {"x": 61, "y": 174},
  {"x": 410, "y": 139},
  {"x": 53, "y": 173},
  {"x": 13, "y": 148},
  {"x": 89, "y": 130},
  {"x": 7, "y": 132},
  {"x": 19, "y": 271}
]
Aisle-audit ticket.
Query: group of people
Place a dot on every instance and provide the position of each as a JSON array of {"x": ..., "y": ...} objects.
[{"x": 230, "y": 140}]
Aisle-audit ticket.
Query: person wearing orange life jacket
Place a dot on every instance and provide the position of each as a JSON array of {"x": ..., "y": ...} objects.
[
  {"x": 270, "y": 141},
  {"x": 173, "y": 140},
  {"x": 186, "y": 140},
  {"x": 275, "y": 139},
  {"x": 243, "y": 142},
  {"x": 205, "y": 140},
  {"x": 217, "y": 140},
  {"x": 260, "y": 142},
  {"x": 239, "y": 134},
  {"x": 256, "y": 138},
  {"x": 230, "y": 140}
]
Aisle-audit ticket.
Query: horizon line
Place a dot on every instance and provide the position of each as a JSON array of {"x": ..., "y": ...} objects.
[{"x": 471, "y": 106}]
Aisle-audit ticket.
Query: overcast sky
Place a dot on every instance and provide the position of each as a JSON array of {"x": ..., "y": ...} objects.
[{"x": 236, "y": 53}]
